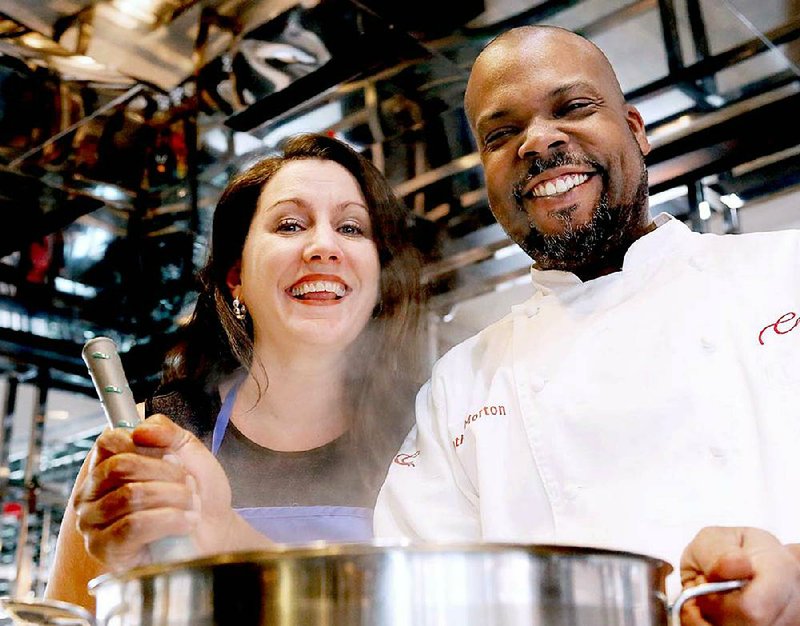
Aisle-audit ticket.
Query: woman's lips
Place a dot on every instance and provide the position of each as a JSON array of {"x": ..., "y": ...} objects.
[{"x": 318, "y": 290}]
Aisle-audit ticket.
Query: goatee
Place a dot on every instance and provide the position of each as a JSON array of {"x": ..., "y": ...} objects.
[{"x": 599, "y": 243}]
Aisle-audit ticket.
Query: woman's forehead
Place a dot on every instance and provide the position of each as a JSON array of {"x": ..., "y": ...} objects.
[{"x": 311, "y": 180}]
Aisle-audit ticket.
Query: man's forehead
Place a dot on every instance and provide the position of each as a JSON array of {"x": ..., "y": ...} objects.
[
  {"x": 548, "y": 48},
  {"x": 558, "y": 58}
]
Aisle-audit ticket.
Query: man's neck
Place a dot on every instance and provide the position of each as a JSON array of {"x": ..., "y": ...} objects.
[{"x": 613, "y": 262}]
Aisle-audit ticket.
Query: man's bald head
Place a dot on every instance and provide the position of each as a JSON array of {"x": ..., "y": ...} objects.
[
  {"x": 562, "y": 152},
  {"x": 542, "y": 41}
]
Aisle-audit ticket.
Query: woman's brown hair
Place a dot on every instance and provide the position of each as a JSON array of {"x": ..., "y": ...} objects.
[{"x": 386, "y": 365}]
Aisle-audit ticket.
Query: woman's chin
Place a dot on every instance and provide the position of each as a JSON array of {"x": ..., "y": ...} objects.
[{"x": 326, "y": 333}]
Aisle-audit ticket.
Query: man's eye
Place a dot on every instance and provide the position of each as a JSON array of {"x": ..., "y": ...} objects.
[
  {"x": 575, "y": 105},
  {"x": 496, "y": 136}
]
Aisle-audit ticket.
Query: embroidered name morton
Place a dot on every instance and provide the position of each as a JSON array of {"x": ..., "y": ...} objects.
[
  {"x": 495, "y": 409},
  {"x": 486, "y": 410}
]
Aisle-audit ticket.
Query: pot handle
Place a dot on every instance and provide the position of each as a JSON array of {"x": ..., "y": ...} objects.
[{"x": 703, "y": 589}]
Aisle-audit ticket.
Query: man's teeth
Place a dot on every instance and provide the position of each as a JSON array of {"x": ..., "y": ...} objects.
[
  {"x": 319, "y": 286},
  {"x": 559, "y": 185}
]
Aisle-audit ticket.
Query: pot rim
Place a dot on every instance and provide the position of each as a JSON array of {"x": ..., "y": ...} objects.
[
  {"x": 47, "y": 607},
  {"x": 321, "y": 549}
]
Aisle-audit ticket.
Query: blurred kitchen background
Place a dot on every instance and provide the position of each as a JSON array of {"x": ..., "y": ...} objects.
[{"x": 122, "y": 120}]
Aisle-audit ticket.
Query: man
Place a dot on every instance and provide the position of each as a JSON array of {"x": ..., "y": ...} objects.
[{"x": 647, "y": 390}]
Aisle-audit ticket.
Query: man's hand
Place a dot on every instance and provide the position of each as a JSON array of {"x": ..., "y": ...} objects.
[{"x": 770, "y": 598}]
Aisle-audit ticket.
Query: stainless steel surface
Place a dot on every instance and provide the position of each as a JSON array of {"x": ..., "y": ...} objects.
[
  {"x": 46, "y": 612},
  {"x": 701, "y": 590},
  {"x": 392, "y": 585}
]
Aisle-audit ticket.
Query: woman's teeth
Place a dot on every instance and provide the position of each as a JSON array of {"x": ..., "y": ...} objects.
[
  {"x": 319, "y": 286},
  {"x": 559, "y": 185}
]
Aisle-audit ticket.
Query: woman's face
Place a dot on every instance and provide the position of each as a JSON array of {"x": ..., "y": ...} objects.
[{"x": 310, "y": 272}]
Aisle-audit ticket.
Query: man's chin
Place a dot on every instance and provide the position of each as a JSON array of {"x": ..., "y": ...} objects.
[
  {"x": 542, "y": 262},
  {"x": 574, "y": 247},
  {"x": 561, "y": 222}
]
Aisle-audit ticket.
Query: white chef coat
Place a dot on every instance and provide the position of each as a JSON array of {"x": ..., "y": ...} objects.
[{"x": 626, "y": 412}]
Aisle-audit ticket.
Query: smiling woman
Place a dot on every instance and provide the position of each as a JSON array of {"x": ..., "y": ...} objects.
[
  {"x": 312, "y": 249},
  {"x": 285, "y": 409}
]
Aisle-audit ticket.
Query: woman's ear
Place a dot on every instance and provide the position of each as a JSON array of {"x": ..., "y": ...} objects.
[{"x": 234, "y": 278}]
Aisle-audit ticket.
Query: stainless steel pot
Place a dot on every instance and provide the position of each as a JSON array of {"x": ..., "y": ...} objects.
[{"x": 397, "y": 585}]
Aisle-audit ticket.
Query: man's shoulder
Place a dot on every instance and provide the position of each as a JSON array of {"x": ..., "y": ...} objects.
[
  {"x": 754, "y": 245},
  {"x": 480, "y": 348}
]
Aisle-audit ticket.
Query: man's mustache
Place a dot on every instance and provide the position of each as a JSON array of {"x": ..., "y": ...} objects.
[{"x": 557, "y": 159}]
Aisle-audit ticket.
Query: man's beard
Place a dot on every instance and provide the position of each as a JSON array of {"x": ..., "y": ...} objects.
[{"x": 601, "y": 241}]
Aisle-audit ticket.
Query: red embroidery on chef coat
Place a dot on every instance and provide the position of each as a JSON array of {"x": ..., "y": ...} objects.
[
  {"x": 406, "y": 459},
  {"x": 784, "y": 324}
]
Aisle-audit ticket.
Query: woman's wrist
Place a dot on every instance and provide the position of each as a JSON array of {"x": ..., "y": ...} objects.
[{"x": 240, "y": 536}]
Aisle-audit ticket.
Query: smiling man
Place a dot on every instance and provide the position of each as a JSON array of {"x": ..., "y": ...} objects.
[
  {"x": 647, "y": 394},
  {"x": 562, "y": 151}
]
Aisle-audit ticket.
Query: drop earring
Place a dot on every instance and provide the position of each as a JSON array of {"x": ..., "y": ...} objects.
[{"x": 239, "y": 309}]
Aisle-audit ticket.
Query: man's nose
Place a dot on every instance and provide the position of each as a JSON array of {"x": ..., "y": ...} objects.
[
  {"x": 323, "y": 245},
  {"x": 542, "y": 137}
]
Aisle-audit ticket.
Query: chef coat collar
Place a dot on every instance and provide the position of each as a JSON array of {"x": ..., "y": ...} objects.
[{"x": 668, "y": 234}]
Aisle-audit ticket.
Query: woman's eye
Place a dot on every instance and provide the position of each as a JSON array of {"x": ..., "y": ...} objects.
[
  {"x": 351, "y": 229},
  {"x": 288, "y": 226}
]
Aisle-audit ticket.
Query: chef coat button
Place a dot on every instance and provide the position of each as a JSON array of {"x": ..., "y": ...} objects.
[
  {"x": 573, "y": 492},
  {"x": 717, "y": 452},
  {"x": 538, "y": 383},
  {"x": 698, "y": 263},
  {"x": 531, "y": 309},
  {"x": 707, "y": 344}
]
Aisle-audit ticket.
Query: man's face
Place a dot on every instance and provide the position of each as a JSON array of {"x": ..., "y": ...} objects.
[{"x": 563, "y": 154}]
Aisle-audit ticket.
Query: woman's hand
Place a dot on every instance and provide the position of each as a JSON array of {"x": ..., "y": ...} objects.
[
  {"x": 156, "y": 481},
  {"x": 770, "y": 598}
]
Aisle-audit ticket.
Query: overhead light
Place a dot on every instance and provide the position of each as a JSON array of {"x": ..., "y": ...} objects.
[
  {"x": 112, "y": 193},
  {"x": 57, "y": 414},
  {"x": 83, "y": 60},
  {"x": 135, "y": 14},
  {"x": 65, "y": 285},
  {"x": 217, "y": 140},
  {"x": 669, "y": 194},
  {"x": 143, "y": 11},
  {"x": 704, "y": 210},
  {"x": 507, "y": 251},
  {"x": 37, "y": 41}
]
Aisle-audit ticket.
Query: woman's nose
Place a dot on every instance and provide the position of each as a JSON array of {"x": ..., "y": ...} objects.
[
  {"x": 541, "y": 137},
  {"x": 323, "y": 245}
]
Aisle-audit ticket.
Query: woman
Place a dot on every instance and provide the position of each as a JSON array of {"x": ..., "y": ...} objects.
[{"x": 297, "y": 372}]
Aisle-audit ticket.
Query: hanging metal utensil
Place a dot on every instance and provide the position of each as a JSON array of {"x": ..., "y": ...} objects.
[{"x": 105, "y": 367}]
